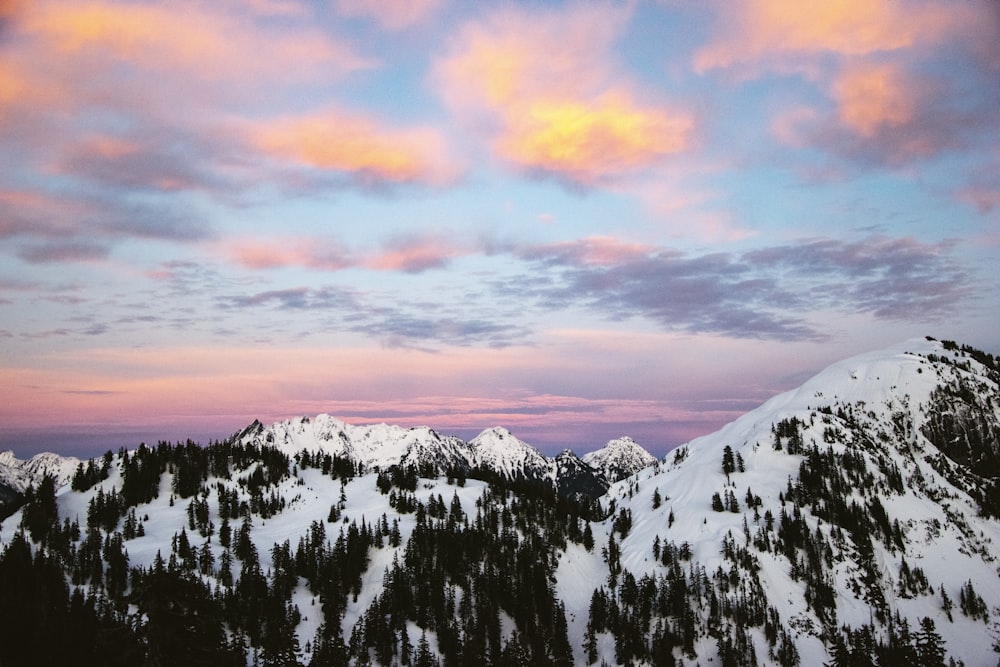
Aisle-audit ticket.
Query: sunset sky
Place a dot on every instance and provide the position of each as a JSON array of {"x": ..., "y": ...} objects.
[{"x": 575, "y": 220}]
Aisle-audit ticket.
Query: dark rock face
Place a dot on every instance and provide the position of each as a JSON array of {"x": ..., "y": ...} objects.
[
  {"x": 962, "y": 422},
  {"x": 575, "y": 478}
]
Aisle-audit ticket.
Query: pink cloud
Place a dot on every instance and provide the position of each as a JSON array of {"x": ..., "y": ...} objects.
[
  {"x": 775, "y": 31},
  {"x": 288, "y": 252},
  {"x": 543, "y": 89},
  {"x": 870, "y": 98},
  {"x": 984, "y": 198},
  {"x": 413, "y": 255},
  {"x": 883, "y": 114},
  {"x": 390, "y": 14},
  {"x": 409, "y": 255}
]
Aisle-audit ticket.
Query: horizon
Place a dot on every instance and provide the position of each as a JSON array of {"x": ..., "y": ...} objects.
[
  {"x": 574, "y": 220},
  {"x": 93, "y": 445}
]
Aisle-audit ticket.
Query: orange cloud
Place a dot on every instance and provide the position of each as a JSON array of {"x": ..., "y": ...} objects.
[
  {"x": 11, "y": 86},
  {"x": 871, "y": 98},
  {"x": 543, "y": 86},
  {"x": 750, "y": 31},
  {"x": 356, "y": 145},
  {"x": 390, "y": 14}
]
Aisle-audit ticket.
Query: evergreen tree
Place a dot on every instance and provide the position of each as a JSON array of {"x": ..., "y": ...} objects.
[
  {"x": 717, "y": 505},
  {"x": 930, "y": 646},
  {"x": 728, "y": 461}
]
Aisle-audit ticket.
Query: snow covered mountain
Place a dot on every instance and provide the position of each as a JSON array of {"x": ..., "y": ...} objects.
[
  {"x": 498, "y": 450},
  {"x": 865, "y": 499},
  {"x": 620, "y": 458},
  {"x": 382, "y": 446},
  {"x": 18, "y": 475},
  {"x": 853, "y": 520},
  {"x": 378, "y": 445}
]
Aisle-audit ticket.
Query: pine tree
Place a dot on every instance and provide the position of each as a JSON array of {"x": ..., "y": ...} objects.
[
  {"x": 717, "y": 505},
  {"x": 930, "y": 646},
  {"x": 728, "y": 462},
  {"x": 424, "y": 657}
]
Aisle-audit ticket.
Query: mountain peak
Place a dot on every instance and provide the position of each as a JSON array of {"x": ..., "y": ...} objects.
[{"x": 620, "y": 458}]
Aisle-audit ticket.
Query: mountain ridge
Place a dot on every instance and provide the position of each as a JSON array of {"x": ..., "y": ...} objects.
[{"x": 851, "y": 519}]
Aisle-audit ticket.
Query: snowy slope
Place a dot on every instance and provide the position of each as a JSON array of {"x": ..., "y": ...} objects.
[{"x": 875, "y": 404}]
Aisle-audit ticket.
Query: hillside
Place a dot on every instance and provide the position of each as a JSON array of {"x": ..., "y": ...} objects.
[{"x": 852, "y": 519}]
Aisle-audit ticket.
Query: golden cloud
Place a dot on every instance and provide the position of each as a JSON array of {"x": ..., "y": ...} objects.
[
  {"x": 544, "y": 88},
  {"x": 591, "y": 141}
]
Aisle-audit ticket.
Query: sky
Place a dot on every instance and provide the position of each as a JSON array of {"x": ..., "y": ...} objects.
[{"x": 577, "y": 220}]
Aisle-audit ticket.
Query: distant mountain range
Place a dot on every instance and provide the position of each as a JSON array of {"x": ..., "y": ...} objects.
[{"x": 853, "y": 520}]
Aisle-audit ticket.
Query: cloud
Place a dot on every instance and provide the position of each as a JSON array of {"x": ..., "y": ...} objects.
[
  {"x": 397, "y": 328},
  {"x": 776, "y": 32},
  {"x": 364, "y": 150},
  {"x": 877, "y": 63},
  {"x": 590, "y": 142},
  {"x": 409, "y": 254},
  {"x": 872, "y": 98},
  {"x": 542, "y": 88},
  {"x": 891, "y": 278},
  {"x": 295, "y": 298},
  {"x": 205, "y": 44},
  {"x": 64, "y": 251},
  {"x": 414, "y": 254},
  {"x": 885, "y": 114},
  {"x": 112, "y": 104},
  {"x": 390, "y": 14},
  {"x": 984, "y": 198},
  {"x": 276, "y": 253},
  {"x": 89, "y": 219},
  {"x": 418, "y": 326},
  {"x": 773, "y": 293},
  {"x": 158, "y": 159},
  {"x": 591, "y": 251}
]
